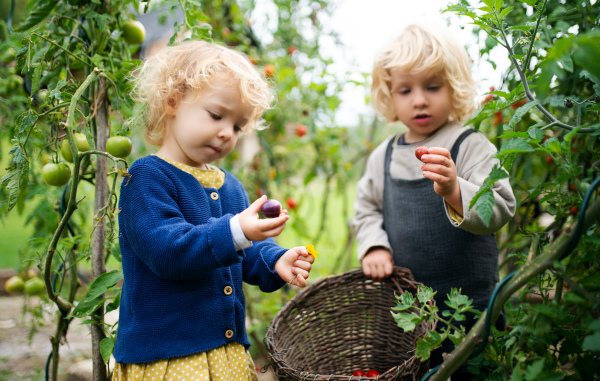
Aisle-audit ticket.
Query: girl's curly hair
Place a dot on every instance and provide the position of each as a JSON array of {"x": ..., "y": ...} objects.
[{"x": 168, "y": 76}]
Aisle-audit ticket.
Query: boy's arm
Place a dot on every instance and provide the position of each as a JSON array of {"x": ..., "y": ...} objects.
[
  {"x": 368, "y": 219},
  {"x": 475, "y": 162}
]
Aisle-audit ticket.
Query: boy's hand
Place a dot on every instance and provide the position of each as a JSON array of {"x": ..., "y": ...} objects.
[
  {"x": 378, "y": 264},
  {"x": 295, "y": 261},
  {"x": 439, "y": 167},
  {"x": 256, "y": 229}
]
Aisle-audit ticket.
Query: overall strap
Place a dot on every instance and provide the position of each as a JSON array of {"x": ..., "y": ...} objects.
[
  {"x": 459, "y": 140},
  {"x": 388, "y": 155}
]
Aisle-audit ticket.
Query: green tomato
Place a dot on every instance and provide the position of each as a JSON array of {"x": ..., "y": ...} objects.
[
  {"x": 8, "y": 56},
  {"x": 65, "y": 151},
  {"x": 81, "y": 143},
  {"x": 16, "y": 81},
  {"x": 43, "y": 94},
  {"x": 34, "y": 286},
  {"x": 56, "y": 174},
  {"x": 133, "y": 32},
  {"x": 119, "y": 146},
  {"x": 14, "y": 284}
]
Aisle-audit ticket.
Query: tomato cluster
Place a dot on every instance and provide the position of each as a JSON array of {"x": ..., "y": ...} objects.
[{"x": 369, "y": 373}]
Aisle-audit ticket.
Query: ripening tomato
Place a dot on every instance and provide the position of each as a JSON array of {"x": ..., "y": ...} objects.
[
  {"x": 359, "y": 373},
  {"x": 301, "y": 130},
  {"x": 119, "y": 146},
  {"x": 56, "y": 174},
  {"x": 291, "y": 202},
  {"x": 269, "y": 70},
  {"x": 549, "y": 160},
  {"x": 292, "y": 49},
  {"x": 14, "y": 284}
]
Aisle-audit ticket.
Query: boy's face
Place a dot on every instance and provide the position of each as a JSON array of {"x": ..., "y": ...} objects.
[
  {"x": 423, "y": 102},
  {"x": 205, "y": 127}
]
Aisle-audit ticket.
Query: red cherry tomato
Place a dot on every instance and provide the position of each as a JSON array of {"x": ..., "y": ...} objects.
[
  {"x": 301, "y": 130},
  {"x": 420, "y": 151},
  {"x": 291, "y": 203},
  {"x": 373, "y": 373},
  {"x": 359, "y": 373}
]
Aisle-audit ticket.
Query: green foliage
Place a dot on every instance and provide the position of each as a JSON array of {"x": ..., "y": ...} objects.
[
  {"x": 411, "y": 312},
  {"x": 545, "y": 125}
]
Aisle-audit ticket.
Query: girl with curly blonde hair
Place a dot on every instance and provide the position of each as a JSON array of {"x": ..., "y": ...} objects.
[{"x": 188, "y": 236}]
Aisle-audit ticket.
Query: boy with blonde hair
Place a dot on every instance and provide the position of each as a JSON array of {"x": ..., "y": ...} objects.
[{"x": 415, "y": 213}]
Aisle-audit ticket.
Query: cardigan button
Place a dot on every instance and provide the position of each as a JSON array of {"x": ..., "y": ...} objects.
[
  {"x": 214, "y": 196},
  {"x": 228, "y": 290},
  {"x": 229, "y": 334}
]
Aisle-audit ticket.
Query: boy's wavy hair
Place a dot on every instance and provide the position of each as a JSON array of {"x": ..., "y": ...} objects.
[
  {"x": 174, "y": 71},
  {"x": 424, "y": 49}
]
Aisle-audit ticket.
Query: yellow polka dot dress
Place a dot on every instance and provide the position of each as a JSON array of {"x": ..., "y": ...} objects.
[{"x": 230, "y": 362}]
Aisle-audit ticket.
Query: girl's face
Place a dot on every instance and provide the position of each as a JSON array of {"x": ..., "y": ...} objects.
[
  {"x": 205, "y": 127},
  {"x": 423, "y": 102}
]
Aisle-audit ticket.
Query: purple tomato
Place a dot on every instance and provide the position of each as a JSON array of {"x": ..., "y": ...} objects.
[{"x": 271, "y": 208}]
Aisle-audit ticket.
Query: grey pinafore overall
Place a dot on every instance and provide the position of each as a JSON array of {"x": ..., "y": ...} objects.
[{"x": 440, "y": 255}]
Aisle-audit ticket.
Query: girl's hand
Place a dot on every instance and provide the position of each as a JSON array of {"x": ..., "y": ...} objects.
[
  {"x": 439, "y": 167},
  {"x": 256, "y": 229},
  {"x": 295, "y": 263},
  {"x": 378, "y": 264}
]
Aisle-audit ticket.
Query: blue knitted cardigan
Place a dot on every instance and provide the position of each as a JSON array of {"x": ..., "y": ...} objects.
[{"x": 178, "y": 260}]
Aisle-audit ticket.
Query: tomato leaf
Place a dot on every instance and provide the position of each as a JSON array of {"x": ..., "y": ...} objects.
[
  {"x": 518, "y": 115},
  {"x": 37, "y": 14},
  {"x": 513, "y": 146},
  {"x": 428, "y": 343},
  {"x": 107, "y": 346},
  {"x": 407, "y": 321},
  {"x": 28, "y": 121},
  {"x": 485, "y": 205},
  {"x": 103, "y": 283}
]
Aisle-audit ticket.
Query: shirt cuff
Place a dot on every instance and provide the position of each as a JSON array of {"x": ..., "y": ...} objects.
[
  {"x": 239, "y": 239},
  {"x": 453, "y": 214}
]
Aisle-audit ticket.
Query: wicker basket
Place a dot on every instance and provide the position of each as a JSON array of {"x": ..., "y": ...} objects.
[{"x": 343, "y": 323}]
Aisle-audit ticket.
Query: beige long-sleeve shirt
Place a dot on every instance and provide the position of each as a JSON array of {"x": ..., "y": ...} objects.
[{"x": 474, "y": 163}]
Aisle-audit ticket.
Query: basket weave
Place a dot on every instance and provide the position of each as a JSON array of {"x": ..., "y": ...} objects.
[{"x": 343, "y": 323}]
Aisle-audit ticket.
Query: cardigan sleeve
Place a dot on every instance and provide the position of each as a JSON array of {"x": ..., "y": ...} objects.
[
  {"x": 259, "y": 262},
  {"x": 159, "y": 234}
]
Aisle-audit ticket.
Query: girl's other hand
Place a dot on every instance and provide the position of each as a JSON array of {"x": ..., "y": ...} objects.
[
  {"x": 378, "y": 264},
  {"x": 295, "y": 263},
  {"x": 439, "y": 167},
  {"x": 256, "y": 229}
]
